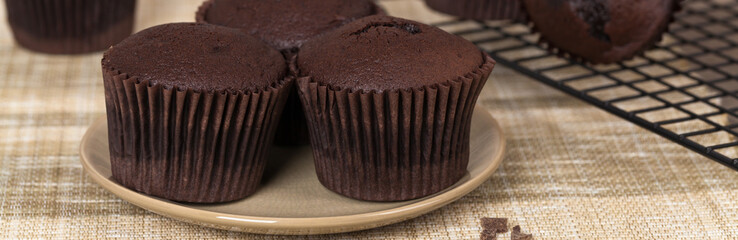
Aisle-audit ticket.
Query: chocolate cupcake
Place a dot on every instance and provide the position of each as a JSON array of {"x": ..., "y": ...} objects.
[
  {"x": 286, "y": 25},
  {"x": 480, "y": 9},
  {"x": 601, "y": 31},
  {"x": 389, "y": 103},
  {"x": 192, "y": 109},
  {"x": 70, "y": 26}
]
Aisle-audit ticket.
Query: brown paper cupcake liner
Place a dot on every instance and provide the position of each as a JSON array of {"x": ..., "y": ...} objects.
[
  {"x": 393, "y": 145},
  {"x": 292, "y": 129},
  {"x": 70, "y": 26},
  {"x": 189, "y": 146},
  {"x": 481, "y": 9},
  {"x": 651, "y": 43}
]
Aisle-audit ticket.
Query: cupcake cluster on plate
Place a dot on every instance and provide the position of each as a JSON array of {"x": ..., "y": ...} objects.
[{"x": 386, "y": 103}]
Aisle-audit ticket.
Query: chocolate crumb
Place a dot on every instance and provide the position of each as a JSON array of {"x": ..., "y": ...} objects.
[
  {"x": 517, "y": 235},
  {"x": 488, "y": 235},
  {"x": 498, "y": 225}
]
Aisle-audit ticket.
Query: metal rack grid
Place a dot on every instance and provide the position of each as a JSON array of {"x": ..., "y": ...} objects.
[{"x": 685, "y": 89}]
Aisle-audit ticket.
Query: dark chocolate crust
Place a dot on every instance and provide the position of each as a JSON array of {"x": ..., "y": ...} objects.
[
  {"x": 480, "y": 9},
  {"x": 601, "y": 31},
  {"x": 389, "y": 105},
  {"x": 382, "y": 53},
  {"x": 198, "y": 56},
  {"x": 192, "y": 141},
  {"x": 70, "y": 26},
  {"x": 285, "y": 24}
]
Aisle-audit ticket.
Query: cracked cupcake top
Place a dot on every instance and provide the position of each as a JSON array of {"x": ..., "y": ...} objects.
[
  {"x": 285, "y": 24},
  {"x": 601, "y": 31},
  {"x": 382, "y": 53},
  {"x": 197, "y": 56}
]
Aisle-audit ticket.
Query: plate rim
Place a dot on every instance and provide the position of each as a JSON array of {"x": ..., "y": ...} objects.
[{"x": 294, "y": 226}]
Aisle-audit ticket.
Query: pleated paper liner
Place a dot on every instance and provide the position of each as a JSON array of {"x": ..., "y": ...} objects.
[
  {"x": 650, "y": 43},
  {"x": 392, "y": 145},
  {"x": 70, "y": 26},
  {"x": 292, "y": 129},
  {"x": 189, "y": 146},
  {"x": 481, "y": 9}
]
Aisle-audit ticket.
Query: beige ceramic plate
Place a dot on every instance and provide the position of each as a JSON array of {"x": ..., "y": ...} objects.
[{"x": 291, "y": 200}]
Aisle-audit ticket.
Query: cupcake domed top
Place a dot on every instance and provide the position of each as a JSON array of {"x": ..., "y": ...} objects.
[
  {"x": 601, "y": 31},
  {"x": 197, "y": 56},
  {"x": 285, "y": 24},
  {"x": 385, "y": 53}
]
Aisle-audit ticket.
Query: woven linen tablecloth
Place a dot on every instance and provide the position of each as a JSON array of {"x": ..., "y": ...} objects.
[{"x": 571, "y": 171}]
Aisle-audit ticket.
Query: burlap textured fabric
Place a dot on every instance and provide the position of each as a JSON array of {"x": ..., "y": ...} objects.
[{"x": 571, "y": 171}]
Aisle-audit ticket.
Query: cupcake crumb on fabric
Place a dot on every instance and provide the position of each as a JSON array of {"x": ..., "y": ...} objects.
[
  {"x": 518, "y": 235},
  {"x": 488, "y": 235},
  {"x": 493, "y": 226},
  {"x": 498, "y": 225}
]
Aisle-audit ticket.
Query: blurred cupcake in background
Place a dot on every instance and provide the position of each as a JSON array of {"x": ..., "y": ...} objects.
[
  {"x": 70, "y": 26},
  {"x": 481, "y": 9}
]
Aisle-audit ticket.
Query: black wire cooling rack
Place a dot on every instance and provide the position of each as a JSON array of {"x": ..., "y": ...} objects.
[{"x": 685, "y": 89}]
